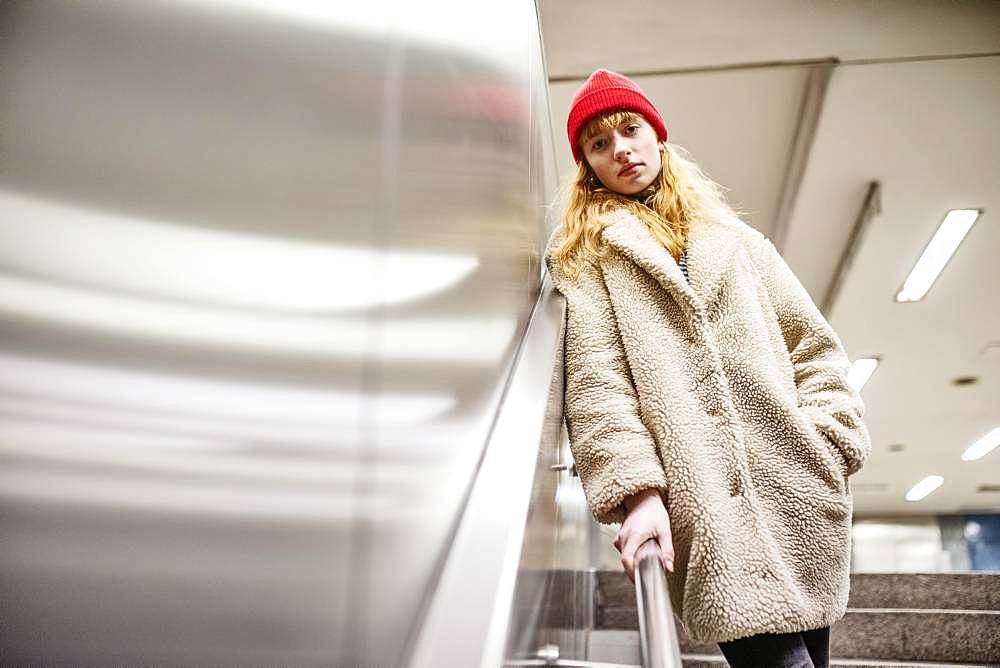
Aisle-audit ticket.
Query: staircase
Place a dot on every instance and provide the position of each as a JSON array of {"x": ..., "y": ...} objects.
[{"x": 897, "y": 619}]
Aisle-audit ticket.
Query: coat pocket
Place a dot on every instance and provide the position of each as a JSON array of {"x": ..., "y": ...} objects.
[
  {"x": 823, "y": 454},
  {"x": 832, "y": 458}
]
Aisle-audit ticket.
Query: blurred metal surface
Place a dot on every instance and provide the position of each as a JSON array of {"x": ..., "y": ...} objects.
[
  {"x": 263, "y": 271},
  {"x": 657, "y": 631},
  {"x": 469, "y": 621}
]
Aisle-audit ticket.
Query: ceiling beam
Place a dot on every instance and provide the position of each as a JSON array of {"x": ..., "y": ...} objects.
[
  {"x": 871, "y": 207},
  {"x": 810, "y": 108}
]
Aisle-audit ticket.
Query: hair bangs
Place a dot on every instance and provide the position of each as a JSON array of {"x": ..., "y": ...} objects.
[{"x": 606, "y": 123}]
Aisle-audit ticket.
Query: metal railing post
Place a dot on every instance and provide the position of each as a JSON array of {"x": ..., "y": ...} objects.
[{"x": 658, "y": 641}]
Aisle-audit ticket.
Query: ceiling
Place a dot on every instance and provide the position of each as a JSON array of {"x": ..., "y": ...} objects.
[{"x": 797, "y": 108}]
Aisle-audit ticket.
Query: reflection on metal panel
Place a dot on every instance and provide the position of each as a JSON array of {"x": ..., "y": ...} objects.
[
  {"x": 471, "y": 613},
  {"x": 536, "y": 590},
  {"x": 263, "y": 269}
]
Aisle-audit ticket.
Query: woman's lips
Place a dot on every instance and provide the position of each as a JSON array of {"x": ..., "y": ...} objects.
[{"x": 631, "y": 170}]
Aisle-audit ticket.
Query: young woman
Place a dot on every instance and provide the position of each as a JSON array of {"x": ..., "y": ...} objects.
[{"x": 706, "y": 399}]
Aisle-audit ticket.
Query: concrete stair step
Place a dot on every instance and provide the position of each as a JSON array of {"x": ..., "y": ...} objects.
[
  {"x": 893, "y": 619},
  {"x": 899, "y": 635},
  {"x": 947, "y": 591},
  {"x": 938, "y": 591},
  {"x": 703, "y": 661},
  {"x": 622, "y": 648},
  {"x": 918, "y": 635},
  {"x": 927, "y": 630}
]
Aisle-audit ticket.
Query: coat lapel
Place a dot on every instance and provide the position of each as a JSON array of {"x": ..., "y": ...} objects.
[{"x": 711, "y": 246}]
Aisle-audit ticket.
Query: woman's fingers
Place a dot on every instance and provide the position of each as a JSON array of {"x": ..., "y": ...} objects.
[
  {"x": 667, "y": 557},
  {"x": 648, "y": 519},
  {"x": 663, "y": 547},
  {"x": 667, "y": 546},
  {"x": 635, "y": 539}
]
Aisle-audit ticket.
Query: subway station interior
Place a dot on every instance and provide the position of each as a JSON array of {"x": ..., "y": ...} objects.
[{"x": 283, "y": 377}]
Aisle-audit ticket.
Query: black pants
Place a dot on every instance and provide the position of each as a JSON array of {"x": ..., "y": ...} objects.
[{"x": 803, "y": 649}]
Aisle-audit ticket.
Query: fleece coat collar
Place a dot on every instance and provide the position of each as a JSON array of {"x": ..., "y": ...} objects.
[
  {"x": 709, "y": 251},
  {"x": 729, "y": 396}
]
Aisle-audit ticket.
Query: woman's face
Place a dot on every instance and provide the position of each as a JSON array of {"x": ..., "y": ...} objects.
[{"x": 627, "y": 159}]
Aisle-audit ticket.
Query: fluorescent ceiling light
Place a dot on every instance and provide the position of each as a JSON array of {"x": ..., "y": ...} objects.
[
  {"x": 982, "y": 446},
  {"x": 195, "y": 265},
  {"x": 949, "y": 235},
  {"x": 924, "y": 487},
  {"x": 861, "y": 370}
]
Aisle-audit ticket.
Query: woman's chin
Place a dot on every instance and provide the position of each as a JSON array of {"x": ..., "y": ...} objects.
[{"x": 630, "y": 189}]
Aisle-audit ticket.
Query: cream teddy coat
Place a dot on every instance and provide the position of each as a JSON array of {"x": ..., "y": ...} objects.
[{"x": 728, "y": 394}]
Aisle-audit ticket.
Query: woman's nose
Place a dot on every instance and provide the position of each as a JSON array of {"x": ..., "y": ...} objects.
[{"x": 622, "y": 151}]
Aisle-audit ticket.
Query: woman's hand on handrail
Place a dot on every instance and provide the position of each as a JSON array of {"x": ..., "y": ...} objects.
[{"x": 647, "y": 518}]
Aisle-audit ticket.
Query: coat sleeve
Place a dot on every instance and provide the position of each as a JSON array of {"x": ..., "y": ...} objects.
[
  {"x": 614, "y": 452},
  {"x": 819, "y": 360}
]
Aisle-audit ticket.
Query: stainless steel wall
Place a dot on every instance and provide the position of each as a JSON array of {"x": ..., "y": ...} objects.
[{"x": 263, "y": 268}]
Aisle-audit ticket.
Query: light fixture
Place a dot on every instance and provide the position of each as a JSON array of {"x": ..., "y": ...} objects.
[
  {"x": 982, "y": 446},
  {"x": 951, "y": 231},
  {"x": 924, "y": 487},
  {"x": 861, "y": 370}
]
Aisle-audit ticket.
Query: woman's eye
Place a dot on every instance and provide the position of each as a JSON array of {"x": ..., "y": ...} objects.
[
  {"x": 632, "y": 127},
  {"x": 596, "y": 145}
]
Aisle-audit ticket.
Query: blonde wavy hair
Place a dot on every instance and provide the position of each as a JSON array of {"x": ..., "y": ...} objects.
[{"x": 680, "y": 194}]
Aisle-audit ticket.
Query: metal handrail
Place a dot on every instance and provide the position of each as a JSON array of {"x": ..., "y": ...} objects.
[{"x": 658, "y": 641}]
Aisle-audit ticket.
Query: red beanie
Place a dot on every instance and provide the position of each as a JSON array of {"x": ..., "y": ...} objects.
[{"x": 605, "y": 90}]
